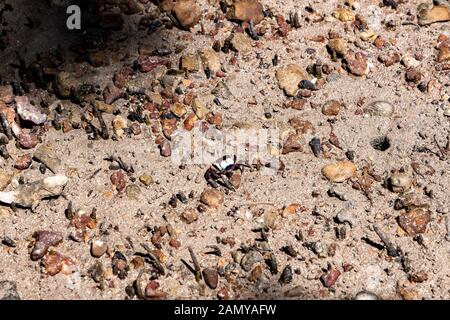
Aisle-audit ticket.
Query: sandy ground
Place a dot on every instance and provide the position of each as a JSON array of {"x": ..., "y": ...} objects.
[{"x": 124, "y": 223}]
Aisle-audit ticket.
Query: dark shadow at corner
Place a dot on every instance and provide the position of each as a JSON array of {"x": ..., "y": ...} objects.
[{"x": 30, "y": 30}]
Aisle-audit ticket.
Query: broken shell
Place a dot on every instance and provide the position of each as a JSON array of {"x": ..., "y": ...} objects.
[{"x": 380, "y": 108}]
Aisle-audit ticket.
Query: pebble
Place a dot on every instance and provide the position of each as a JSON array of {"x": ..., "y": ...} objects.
[
  {"x": 415, "y": 221},
  {"x": 330, "y": 277},
  {"x": 249, "y": 259},
  {"x": 210, "y": 59},
  {"x": 118, "y": 180},
  {"x": 187, "y": 12},
  {"x": 212, "y": 198},
  {"x": 146, "y": 179},
  {"x": 331, "y": 108},
  {"x": 44, "y": 240},
  {"x": 98, "y": 248},
  {"x": 287, "y": 275},
  {"x": 241, "y": 43},
  {"x": 190, "y": 215},
  {"x": 5, "y": 179},
  {"x": 366, "y": 295},
  {"x": 55, "y": 262},
  {"x": 46, "y": 154},
  {"x": 338, "y": 45},
  {"x": 133, "y": 192},
  {"x": 296, "y": 291},
  {"x": 380, "y": 108},
  {"x": 289, "y": 78},
  {"x": 178, "y": 109},
  {"x": 344, "y": 15},
  {"x": 246, "y": 11},
  {"x": 165, "y": 148},
  {"x": 356, "y": 63},
  {"x": 211, "y": 277},
  {"x": 6, "y": 94},
  {"x": 400, "y": 181},
  {"x": 339, "y": 172},
  {"x": 29, "y": 112},
  {"x": 29, "y": 195},
  {"x": 190, "y": 63},
  {"x": 440, "y": 13}
]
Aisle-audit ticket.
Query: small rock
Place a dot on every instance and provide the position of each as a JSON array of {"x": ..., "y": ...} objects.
[
  {"x": 98, "y": 248},
  {"x": 212, "y": 198},
  {"x": 190, "y": 63},
  {"x": 5, "y": 179},
  {"x": 415, "y": 221},
  {"x": 338, "y": 46},
  {"x": 46, "y": 155},
  {"x": 344, "y": 15},
  {"x": 380, "y": 108},
  {"x": 165, "y": 148},
  {"x": 54, "y": 263},
  {"x": 249, "y": 259},
  {"x": 246, "y": 10},
  {"x": 366, "y": 295},
  {"x": 211, "y": 277},
  {"x": 241, "y": 43},
  {"x": 118, "y": 180},
  {"x": 331, "y": 108},
  {"x": 287, "y": 275},
  {"x": 178, "y": 109},
  {"x": 297, "y": 291},
  {"x": 190, "y": 215},
  {"x": 330, "y": 278},
  {"x": 289, "y": 78},
  {"x": 44, "y": 240},
  {"x": 133, "y": 192},
  {"x": 339, "y": 172},
  {"x": 400, "y": 181},
  {"x": 210, "y": 59},
  {"x": 187, "y": 12},
  {"x": 297, "y": 104},
  {"x": 6, "y": 94},
  {"x": 356, "y": 63},
  {"x": 119, "y": 125},
  {"x": 29, "y": 112},
  {"x": 146, "y": 179},
  {"x": 440, "y": 13},
  {"x": 199, "y": 108},
  {"x": 29, "y": 195},
  {"x": 189, "y": 122}
]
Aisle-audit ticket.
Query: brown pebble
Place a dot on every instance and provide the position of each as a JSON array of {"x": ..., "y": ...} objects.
[
  {"x": 23, "y": 162},
  {"x": 212, "y": 198},
  {"x": 211, "y": 277},
  {"x": 331, "y": 108}
]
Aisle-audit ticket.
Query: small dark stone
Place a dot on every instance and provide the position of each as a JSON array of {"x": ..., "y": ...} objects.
[
  {"x": 287, "y": 275},
  {"x": 211, "y": 277},
  {"x": 381, "y": 143}
]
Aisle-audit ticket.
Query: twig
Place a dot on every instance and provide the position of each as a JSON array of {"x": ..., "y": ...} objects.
[
  {"x": 391, "y": 249},
  {"x": 197, "y": 269},
  {"x": 154, "y": 259}
]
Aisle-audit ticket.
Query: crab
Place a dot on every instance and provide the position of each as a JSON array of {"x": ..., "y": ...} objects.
[{"x": 221, "y": 170}]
